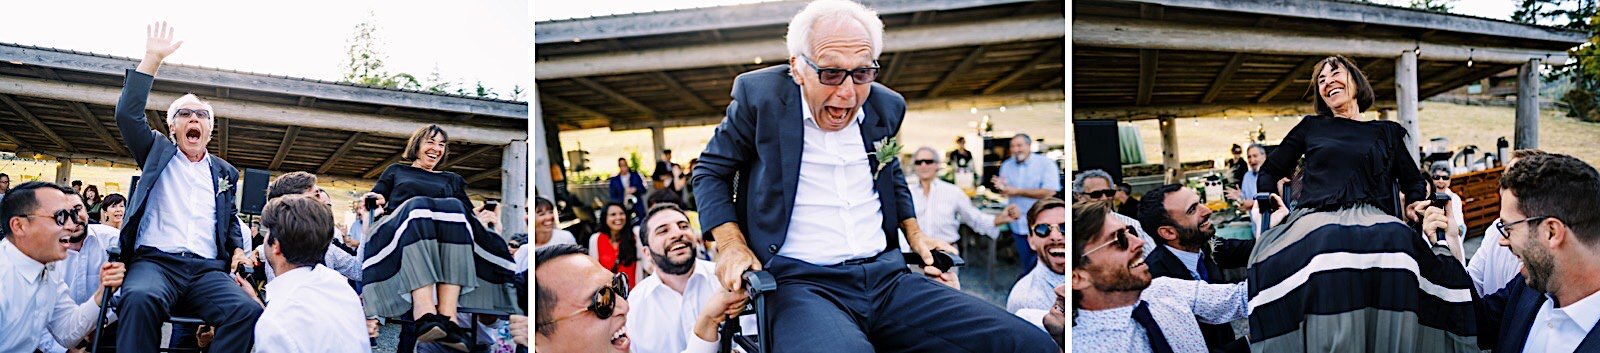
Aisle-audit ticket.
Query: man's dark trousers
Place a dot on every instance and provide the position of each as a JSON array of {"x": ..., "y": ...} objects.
[
  {"x": 877, "y": 305},
  {"x": 152, "y": 291}
]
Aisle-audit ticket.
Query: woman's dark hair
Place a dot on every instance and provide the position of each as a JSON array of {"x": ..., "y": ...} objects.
[
  {"x": 98, "y": 198},
  {"x": 113, "y": 200},
  {"x": 422, "y": 135},
  {"x": 627, "y": 242},
  {"x": 1363, "y": 90}
]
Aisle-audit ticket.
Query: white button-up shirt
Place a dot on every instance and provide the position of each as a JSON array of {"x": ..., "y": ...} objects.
[
  {"x": 661, "y": 320},
  {"x": 1492, "y": 265},
  {"x": 311, "y": 309},
  {"x": 1174, "y": 304},
  {"x": 836, "y": 215},
  {"x": 182, "y": 211},
  {"x": 1037, "y": 290},
  {"x": 944, "y": 208},
  {"x": 1561, "y": 329},
  {"x": 81, "y": 269},
  {"x": 33, "y": 306}
]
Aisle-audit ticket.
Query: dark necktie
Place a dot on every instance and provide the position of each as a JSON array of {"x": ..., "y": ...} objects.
[
  {"x": 1158, "y": 340},
  {"x": 1200, "y": 267}
]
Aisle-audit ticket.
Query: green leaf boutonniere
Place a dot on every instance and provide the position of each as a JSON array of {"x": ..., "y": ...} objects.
[
  {"x": 887, "y": 149},
  {"x": 223, "y": 185}
]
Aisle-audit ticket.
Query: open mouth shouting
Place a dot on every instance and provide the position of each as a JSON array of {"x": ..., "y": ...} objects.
[
  {"x": 619, "y": 339},
  {"x": 192, "y": 135},
  {"x": 1333, "y": 88}
]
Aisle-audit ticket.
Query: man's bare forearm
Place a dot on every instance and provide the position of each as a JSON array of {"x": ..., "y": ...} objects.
[
  {"x": 727, "y": 235},
  {"x": 1036, "y": 193},
  {"x": 149, "y": 64}
]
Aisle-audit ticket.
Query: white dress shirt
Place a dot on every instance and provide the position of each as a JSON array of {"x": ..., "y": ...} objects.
[
  {"x": 661, "y": 320},
  {"x": 1174, "y": 304},
  {"x": 33, "y": 306},
  {"x": 836, "y": 215},
  {"x": 1037, "y": 290},
  {"x": 81, "y": 270},
  {"x": 311, "y": 309},
  {"x": 182, "y": 213},
  {"x": 1561, "y": 329},
  {"x": 944, "y": 208},
  {"x": 1190, "y": 260},
  {"x": 1149, "y": 243},
  {"x": 1492, "y": 265}
]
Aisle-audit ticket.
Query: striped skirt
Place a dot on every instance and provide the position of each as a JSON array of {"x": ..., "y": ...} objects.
[
  {"x": 1356, "y": 280},
  {"x": 426, "y": 241}
]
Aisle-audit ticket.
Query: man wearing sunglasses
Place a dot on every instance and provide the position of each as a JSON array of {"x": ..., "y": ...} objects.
[
  {"x": 182, "y": 237},
  {"x": 581, "y": 307},
  {"x": 1118, "y": 307},
  {"x": 39, "y": 221},
  {"x": 791, "y": 183},
  {"x": 1096, "y": 185},
  {"x": 1174, "y": 214},
  {"x": 1550, "y": 208},
  {"x": 1047, "y": 222},
  {"x": 942, "y": 207}
]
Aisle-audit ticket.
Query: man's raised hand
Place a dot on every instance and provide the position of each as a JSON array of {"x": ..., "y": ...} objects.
[{"x": 158, "y": 45}]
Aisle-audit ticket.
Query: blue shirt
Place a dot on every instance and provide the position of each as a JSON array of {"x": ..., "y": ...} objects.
[
  {"x": 1247, "y": 187},
  {"x": 1038, "y": 172}
]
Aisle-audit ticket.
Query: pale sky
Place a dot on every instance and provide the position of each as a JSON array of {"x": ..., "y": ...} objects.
[
  {"x": 544, "y": 10},
  {"x": 467, "y": 40}
]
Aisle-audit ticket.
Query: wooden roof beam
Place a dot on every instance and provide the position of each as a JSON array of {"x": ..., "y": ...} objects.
[
  {"x": 617, "y": 96},
  {"x": 378, "y": 169},
  {"x": 489, "y": 173},
  {"x": 1223, "y": 77},
  {"x": 1147, "y": 74},
  {"x": 684, "y": 93},
  {"x": 283, "y": 149},
  {"x": 465, "y": 156},
  {"x": 1287, "y": 78},
  {"x": 1051, "y": 54},
  {"x": 950, "y": 77},
  {"x": 37, "y": 124},
  {"x": 340, "y": 153}
]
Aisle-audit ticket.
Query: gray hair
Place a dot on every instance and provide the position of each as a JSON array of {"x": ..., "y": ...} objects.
[
  {"x": 172, "y": 110},
  {"x": 1077, "y": 182},
  {"x": 930, "y": 150},
  {"x": 1439, "y": 166},
  {"x": 799, "y": 36},
  {"x": 1258, "y": 147}
]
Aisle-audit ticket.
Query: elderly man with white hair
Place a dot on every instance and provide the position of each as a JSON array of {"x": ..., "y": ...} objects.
[
  {"x": 819, "y": 207},
  {"x": 942, "y": 207},
  {"x": 1095, "y": 184},
  {"x": 181, "y": 238}
]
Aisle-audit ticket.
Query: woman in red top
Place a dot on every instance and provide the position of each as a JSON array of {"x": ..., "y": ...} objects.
[{"x": 615, "y": 246}]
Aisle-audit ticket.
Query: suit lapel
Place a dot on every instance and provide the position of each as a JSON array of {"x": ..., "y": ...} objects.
[
  {"x": 1590, "y": 343},
  {"x": 1525, "y": 310},
  {"x": 791, "y": 138},
  {"x": 1168, "y": 263},
  {"x": 219, "y": 175}
]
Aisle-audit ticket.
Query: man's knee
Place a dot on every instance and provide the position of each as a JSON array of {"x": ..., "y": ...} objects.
[
  {"x": 244, "y": 312},
  {"x": 144, "y": 300}
]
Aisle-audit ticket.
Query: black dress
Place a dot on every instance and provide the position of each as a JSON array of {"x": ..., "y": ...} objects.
[
  {"x": 401, "y": 182},
  {"x": 1346, "y": 163}
]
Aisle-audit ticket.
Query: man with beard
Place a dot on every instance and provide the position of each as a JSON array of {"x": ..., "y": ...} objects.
[
  {"x": 669, "y": 303},
  {"x": 1116, "y": 306},
  {"x": 1047, "y": 222},
  {"x": 1175, "y": 215},
  {"x": 1548, "y": 205},
  {"x": 580, "y": 307}
]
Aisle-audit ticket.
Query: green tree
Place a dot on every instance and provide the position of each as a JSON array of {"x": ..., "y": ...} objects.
[
  {"x": 364, "y": 64},
  {"x": 1434, "y": 5}
]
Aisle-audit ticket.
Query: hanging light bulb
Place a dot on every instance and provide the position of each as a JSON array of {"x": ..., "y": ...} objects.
[
  {"x": 1252, "y": 119},
  {"x": 1197, "y": 121},
  {"x": 1470, "y": 52},
  {"x": 974, "y": 110},
  {"x": 1274, "y": 118},
  {"x": 1002, "y": 109}
]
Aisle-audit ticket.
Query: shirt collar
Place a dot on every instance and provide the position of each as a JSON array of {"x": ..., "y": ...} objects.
[
  {"x": 185, "y": 158},
  {"x": 27, "y": 267},
  {"x": 284, "y": 284},
  {"x": 1191, "y": 260},
  {"x": 1114, "y": 317},
  {"x": 1584, "y": 311},
  {"x": 805, "y": 108}
]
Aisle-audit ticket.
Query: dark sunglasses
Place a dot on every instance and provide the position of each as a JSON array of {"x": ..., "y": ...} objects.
[
  {"x": 1441, "y": 177},
  {"x": 1043, "y": 230},
  {"x": 1101, "y": 194},
  {"x": 61, "y": 217},
  {"x": 923, "y": 161},
  {"x": 1120, "y": 239},
  {"x": 602, "y": 303},
  {"x": 835, "y": 77},
  {"x": 186, "y": 112}
]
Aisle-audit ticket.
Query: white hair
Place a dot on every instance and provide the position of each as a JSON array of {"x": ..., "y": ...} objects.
[
  {"x": 172, "y": 110},
  {"x": 799, "y": 37},
  {"x": 930, "y": 150},
  {"x": 1077, "y": 182}
]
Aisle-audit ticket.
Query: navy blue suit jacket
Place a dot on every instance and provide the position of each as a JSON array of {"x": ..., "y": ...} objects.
[
  {"x": 1510, "y": 313},
  {"x": 152, "y": 152},
  {"x": 749, "y": 170}
]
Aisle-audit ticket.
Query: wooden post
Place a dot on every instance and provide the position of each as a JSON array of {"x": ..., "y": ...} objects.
[
  {"x": 1527, "y": 133},
  {"x": 543, "y": 184},
  {"x": 1169, "y": 145},
  {"x": 514, "y": 188},
  {"x": 658, "y": 138},
  {"x": 1405, "y": 88},
  {"x": 63, "y": 171}
]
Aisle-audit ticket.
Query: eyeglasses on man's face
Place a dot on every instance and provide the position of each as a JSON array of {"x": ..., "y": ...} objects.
[
  {"x": 835, "y": 76},
  {"x": 603, "y": 303}
]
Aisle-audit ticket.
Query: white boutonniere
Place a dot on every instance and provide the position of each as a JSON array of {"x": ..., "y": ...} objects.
[
  {"x": 887, "y": 150},
  {"x": 223, "y": 185}
]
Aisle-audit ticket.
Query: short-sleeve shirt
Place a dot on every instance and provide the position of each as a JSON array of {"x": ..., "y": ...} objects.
[{"x": 1038, "y": 172}]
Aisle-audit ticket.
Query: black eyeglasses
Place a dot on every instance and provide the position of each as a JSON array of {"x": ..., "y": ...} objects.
[
  {"x": 602, "y": 303},
  {"x": 1505, "y": 228},
  {"x": 1120, "y": 238},
  {"x": 1441, "y": 177},
  {"x": 1043, "y": 230},
  {"x": 61, "y": 217},
  {"x": 923, "y": 161},
  {"x": 186, "y": 112},
  {"x": 835, "y": 77},
  {"x": 1101, "y": 193}
]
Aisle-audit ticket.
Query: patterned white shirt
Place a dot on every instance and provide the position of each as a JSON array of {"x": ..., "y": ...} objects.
[
  {"x": 1037, "y": 290},
  {"x": 1174, "y": 303},
  {"x": 945, "y": 208}
]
